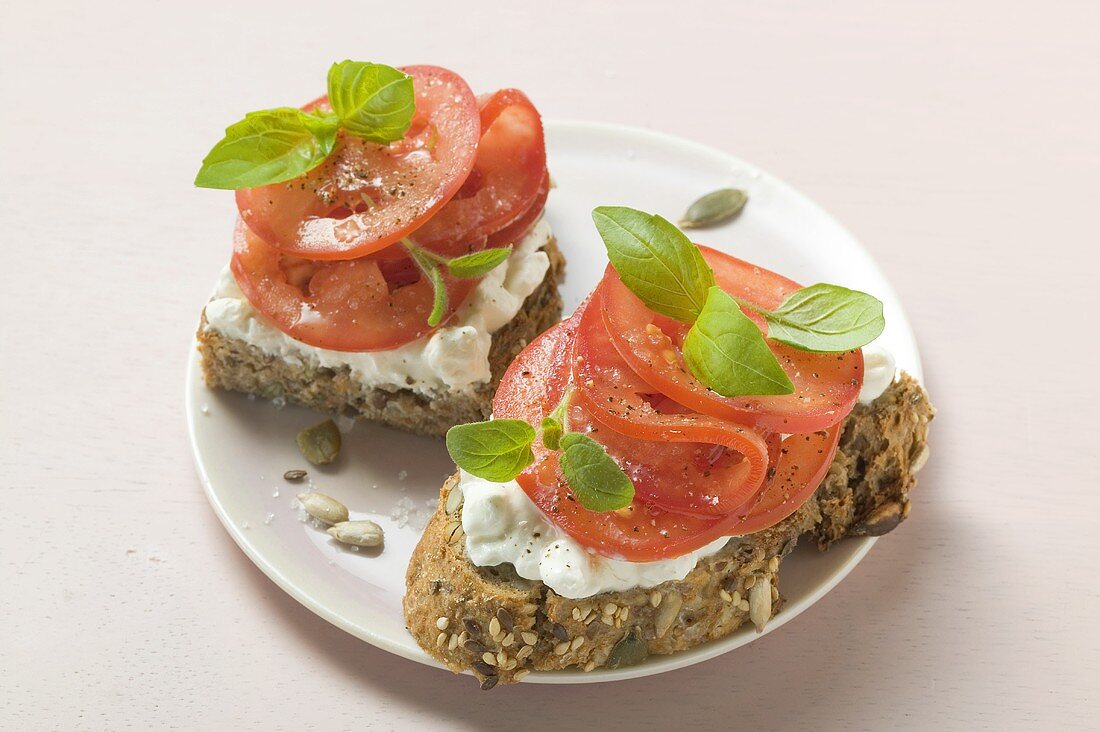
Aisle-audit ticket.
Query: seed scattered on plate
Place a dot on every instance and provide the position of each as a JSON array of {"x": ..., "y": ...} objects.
[
  {"x": 323, "y": 508},
  {"x": 714, "y": 208},
  {"x": 294, "y": 475},
  {"x": 320, "y": 444},
  {"x": 357, "y": 533}
]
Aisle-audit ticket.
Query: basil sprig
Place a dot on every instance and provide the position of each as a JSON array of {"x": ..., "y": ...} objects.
[
  {"x": 478, "y": 264},
  {"x": 373, "y": 101},
  {"x": 655, "y": 260},
  {"x": 370, "y": 101},
  {"x": 468, "y": 266},
  {"x": 597, "y": 481},
  {"x": 825, "y": 318},
  {"x": 723, "y": 348},
  {"x": 268, "y": 147},
  {"x": 500, "y": 449},
  {"x": 497, "y": 450}
]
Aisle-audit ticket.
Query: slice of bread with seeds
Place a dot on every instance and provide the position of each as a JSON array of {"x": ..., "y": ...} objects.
[
  {"x": 492, "y": 622},
  {"x": 236, "y": 365}
]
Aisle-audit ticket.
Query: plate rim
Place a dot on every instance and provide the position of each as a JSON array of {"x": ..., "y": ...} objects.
[{"x": 656, "y": 664}]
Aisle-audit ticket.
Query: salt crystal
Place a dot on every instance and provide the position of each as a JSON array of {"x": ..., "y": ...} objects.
[
  {"x": 268, "y": 519},
  {"x": 401, "y": 512}
]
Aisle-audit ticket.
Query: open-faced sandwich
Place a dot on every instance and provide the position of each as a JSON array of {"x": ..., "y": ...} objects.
[
  {"x": 653, "y": 458},
  {"x": 391, "y": 258}
]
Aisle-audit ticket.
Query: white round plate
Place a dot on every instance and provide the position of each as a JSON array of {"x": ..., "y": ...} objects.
[{"x": 243, "y": 446}]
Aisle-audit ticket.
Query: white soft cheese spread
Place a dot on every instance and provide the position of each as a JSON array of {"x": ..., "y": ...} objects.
[
  {"x": 879, "y": 369},
  {"x": 503, "y": 526},
  {"x": 453, "y": 358}
]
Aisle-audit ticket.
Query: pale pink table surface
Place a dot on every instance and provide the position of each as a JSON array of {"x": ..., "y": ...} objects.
[{"x": 957, "y": 140}]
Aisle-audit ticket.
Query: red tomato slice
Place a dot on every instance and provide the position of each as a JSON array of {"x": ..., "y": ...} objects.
[
  {"x": 367, "y": 196},
  {"x": 677, "y": 459},
  {"x": 803, "y": 462},
  {"x": 643, "y": 532},
  {"x": 826, "y": 384},
  {"x": 364, "y": 304},
  {"x": 522, "y": 226},
  {"x": 506, "y": 178}
]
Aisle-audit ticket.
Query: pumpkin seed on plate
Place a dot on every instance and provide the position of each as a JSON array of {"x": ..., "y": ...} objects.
[
  {"x": 714, "y": 208},
  {"x": 320, "y": 444}
]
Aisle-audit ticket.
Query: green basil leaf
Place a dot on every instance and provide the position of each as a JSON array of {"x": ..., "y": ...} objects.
[
  {"x": 268, "y": 147},
  {"x": 596, "y": 480},
  {"x": 727, "y": 352},
  {"x": 478, "y": 264},
  {"x": 655, "y": 260},
  {"x": 373, "y": 101},
  {"x": 497, "y": 450},
  {"x": 431, "y": 270},
  {"x": 551, "y": 433},
  {"x": 826, "y": 319}
]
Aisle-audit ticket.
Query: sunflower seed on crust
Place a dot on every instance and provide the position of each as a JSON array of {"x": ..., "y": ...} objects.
[{"x": 760, "y": 603}]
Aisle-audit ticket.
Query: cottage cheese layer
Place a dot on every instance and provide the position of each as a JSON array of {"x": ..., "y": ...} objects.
[
  {"x": 503, "y": 526},
  {"x": 879, "y": 369},
  {"x": 454, "y": 358}
]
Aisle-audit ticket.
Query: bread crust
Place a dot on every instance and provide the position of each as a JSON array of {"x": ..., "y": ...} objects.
[
  {"x": 451, "y": 605},
  {"x": 233, "y": 364}
]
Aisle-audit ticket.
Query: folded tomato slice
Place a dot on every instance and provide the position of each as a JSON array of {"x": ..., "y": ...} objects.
[
  {"x": 803, "y": 462},
  {"x": 529, "y": 390},
  {"x": 366, "y": 196},
  {"x": 370, "y": 303},
  {"x": 506, "y": 179},
  {"x": 826, "y": 384},
  {"x": 677, "y": 459}
]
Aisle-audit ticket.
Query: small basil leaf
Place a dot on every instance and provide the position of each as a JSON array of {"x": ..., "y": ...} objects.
[
  {"x": 727, "y": 352},
  {"x": 373, "y": 101},
  {"x": 551, "y": 433},
  {"x": 596, "y": 480},
  {"x": 655, "y": 260},
  {"x": 827, "y": 319},
  {"x": 497, "y": 450},
  {"x": 267, "y": 147},
  {"x": 431, "y": 270},
  {"x": 478, "y": 264}
]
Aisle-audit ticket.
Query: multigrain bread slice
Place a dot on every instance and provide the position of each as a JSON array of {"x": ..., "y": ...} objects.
[
  {"x": 501, "y": 626},
  {"x": 229, "y": 363}
]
